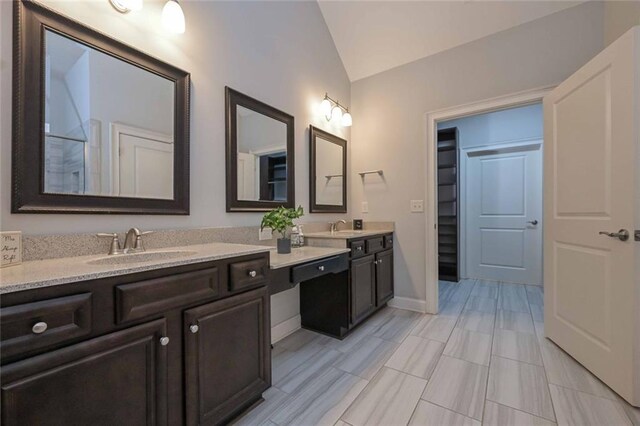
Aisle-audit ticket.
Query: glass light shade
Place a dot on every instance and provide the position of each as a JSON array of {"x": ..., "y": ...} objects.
[
  {"x": 134, "y": 5},
  {"x": 325, "y": 108},
  {"x": 336, "y": 114},
  {"x": 347, "y": 121},
  {"x": 173, "y": 17}
]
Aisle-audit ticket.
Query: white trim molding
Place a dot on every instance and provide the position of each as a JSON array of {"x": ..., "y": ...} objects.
[
  {"x": 285, "y": 328},
  {"x": 431, "y": 177},
  {"x": 408, "y": 304}
]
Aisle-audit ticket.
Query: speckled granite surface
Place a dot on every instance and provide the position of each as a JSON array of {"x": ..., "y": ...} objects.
[
  {"x": 303, "y": 255},
  {"x": 43, "y": 273}
]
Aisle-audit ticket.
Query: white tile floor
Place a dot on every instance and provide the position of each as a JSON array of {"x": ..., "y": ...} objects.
[{"x": 482, "y": 360}]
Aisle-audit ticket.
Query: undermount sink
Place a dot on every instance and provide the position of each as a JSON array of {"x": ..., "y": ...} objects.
[{"x": 123, "y": 259}]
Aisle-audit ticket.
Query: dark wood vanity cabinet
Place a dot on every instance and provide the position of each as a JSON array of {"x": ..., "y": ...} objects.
[
  {"x": 384, "y": 277},
  {"x": 123, "y": 350},
  {"x": 363, "y": 288}
]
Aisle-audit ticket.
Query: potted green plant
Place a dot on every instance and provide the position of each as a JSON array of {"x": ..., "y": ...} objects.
[{"x": 281, "y": 220}]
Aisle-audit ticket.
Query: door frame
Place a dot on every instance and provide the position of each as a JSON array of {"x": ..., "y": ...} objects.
[{"x": 432, "y": 118}]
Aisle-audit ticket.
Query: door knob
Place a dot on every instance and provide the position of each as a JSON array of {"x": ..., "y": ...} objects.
[
  {"x": 533, "y": 222},
  {"x": 622, "y": 235},
  {"x": 194, "y": 328}
]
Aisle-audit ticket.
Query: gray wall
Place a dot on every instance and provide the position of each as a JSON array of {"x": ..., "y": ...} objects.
[
  {"x": 619, "y": 16},
  {"x": 389, "y": 130}
]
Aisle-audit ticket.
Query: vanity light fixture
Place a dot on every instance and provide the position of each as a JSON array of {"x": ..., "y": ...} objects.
[
  {"x": 335, "y": 112},
  {"x": 126, "y": 6},
  {"x": 173, "y": 17}
]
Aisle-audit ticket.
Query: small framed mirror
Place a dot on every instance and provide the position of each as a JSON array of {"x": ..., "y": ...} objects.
[
  {"x": 328, "y": 172},
  {"x": 99, "y": 127},
  {"x": 260, "y": 155}
]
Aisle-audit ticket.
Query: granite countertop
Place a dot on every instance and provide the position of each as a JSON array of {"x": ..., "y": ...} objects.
[
  {"x": 303, "y": 255},
  {"x": 347, "y": 234},
  {"x": 44, "y": 273}
]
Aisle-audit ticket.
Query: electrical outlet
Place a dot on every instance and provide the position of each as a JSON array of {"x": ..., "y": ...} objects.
[
  {"x": 265, "y": 234},
  {"x": 417, "y": 206},
  {"x": 365, "y": 207}
]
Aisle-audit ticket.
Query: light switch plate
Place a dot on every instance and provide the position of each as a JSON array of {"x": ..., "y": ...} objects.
[
  {"x": 265, "y": 234},
  {"x": 417, "y": 206},
  {"x": 365, "y": 207}
]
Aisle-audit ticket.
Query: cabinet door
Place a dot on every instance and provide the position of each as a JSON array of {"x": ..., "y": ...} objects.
[
  {"x": 384, "y": 277},
  {"x": 228, "y": 356},
  {"x": 116, "y": 379},
  {"x": 363, "y": 294}
]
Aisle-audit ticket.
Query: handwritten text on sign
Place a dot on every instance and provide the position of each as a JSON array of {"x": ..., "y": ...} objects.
[{"x": 11, "y": 248}]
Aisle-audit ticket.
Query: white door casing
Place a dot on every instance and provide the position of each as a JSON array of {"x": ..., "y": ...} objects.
[
  {"x": 247, "y": 183},
  {"x": 503, "y": 200},
  {"x": 592, "y": 292}
]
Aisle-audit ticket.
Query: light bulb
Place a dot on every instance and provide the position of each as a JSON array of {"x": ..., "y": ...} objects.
[
  {"x": 325, "y": 107},
  {"x": 173, "y": 17},
  {"x": 347, "y": 121},
  {"x": 336, "y": 114}
]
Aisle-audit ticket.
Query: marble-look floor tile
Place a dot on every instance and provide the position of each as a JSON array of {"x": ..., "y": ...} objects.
[
  {"x": 341, "y": 423},
  {"x": 485, "y": 289},
  {"x": 535, "y": 295},
  {"x": 459, "y": 386},
  {"x": 434, "y": 328},
  {"x": 517, "y": 346},
  {"x": 470, "y": 346},
  {"x": 562, "y": 370},
  {"x": 537, "y": 312},
  {"x": 513, "y": 297},
  {"x": 579, "y": 408},
  {"x": 501, "y": 415},
  {"x": 632, "y": 412},
  {"x": 416, "y": 356},
  {"x": 516, "y": 321},
  {"x": 427, "y": 414},
  {"x": 476, "y": 321},
  {"x": 322, "y": 401},
  {"x": 308, "y": 370},
  {"x": 353, "y": 339},
  {"x": 482, "y": 304},
  {"x": 366, "y": 359},
  {"x": 396, "y": 327},
  {"x": 462, "y": 290},
  {"x": 521, "y": 386},
  {"x": 273, "y": 399},
  {"x": 389, "y": 399},
  {"x": 300, "y": 339},
  {"x": 284, "y": 362},
  {"x": 451, "y": 309}
]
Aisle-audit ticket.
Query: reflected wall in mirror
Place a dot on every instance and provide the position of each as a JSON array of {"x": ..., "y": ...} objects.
[
  {"x": 259, "y": 155},
  {"x": 99, "y": 127},
  {"x": 328, "y": 172}
]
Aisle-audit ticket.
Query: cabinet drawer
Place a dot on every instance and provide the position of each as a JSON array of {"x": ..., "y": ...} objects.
[
  {"x": 145, "y": 298},
  {"x": 357, "y": 249},
  {"x": 388, "y": 241},
  {"x": 34, "y": 326},
  {"x": 375, "y": 244},
  {"x": 248, "y": 273},
  {"x": 317, "y": 268}
]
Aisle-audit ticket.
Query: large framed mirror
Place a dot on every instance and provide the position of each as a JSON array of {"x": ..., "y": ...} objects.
[
  {"x": 259, "y": 154},
  {"x": 328, "y": 172},
  {"x": 99, "y": 127}
]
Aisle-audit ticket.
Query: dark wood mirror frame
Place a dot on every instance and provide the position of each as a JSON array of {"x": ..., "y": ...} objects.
[
  {"x": 314, "y": 207},
  {"x": 234, "y": 99},
  {"x": 28, "y": 196}
]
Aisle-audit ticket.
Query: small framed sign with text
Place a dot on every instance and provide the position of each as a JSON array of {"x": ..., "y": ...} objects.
[{"x": 10, "y": 248}]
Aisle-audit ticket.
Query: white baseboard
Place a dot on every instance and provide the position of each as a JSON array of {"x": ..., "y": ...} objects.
[
  {"x": 409, "y": 304},
  {"x": 285, "y": 328}
]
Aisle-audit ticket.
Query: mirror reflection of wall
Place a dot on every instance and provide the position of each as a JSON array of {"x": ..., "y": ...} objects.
[
  {"x": 109, "y": 125},
  {"x": 329, "y": 173},
  {"x": 262, "y": 156}
]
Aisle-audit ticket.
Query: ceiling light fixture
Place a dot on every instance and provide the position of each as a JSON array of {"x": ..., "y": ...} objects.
[
  {"x": 126, "y": 6},
  {"x": 173, "y": 17},
  {"x": 335, "y": 112}
]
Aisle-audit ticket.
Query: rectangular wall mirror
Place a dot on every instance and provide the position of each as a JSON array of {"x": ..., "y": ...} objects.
[
  {"x": 104, "y": 128},
  {"x": 260, "y": 157},
  {"x": 328, "y": 172}
]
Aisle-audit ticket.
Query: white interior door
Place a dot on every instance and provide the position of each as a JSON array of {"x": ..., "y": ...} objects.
[
  {"x": 503, "y": 197},
  {"x": 592, "y": 157},
  {"x": 246, "y": 176}
]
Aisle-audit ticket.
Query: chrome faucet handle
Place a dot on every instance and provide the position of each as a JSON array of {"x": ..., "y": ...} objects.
[{"x": 114, "y": 248}]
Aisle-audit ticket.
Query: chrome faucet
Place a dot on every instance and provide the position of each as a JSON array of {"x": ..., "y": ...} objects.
[
  {"x": 334, "y": 225},
  {"x": 132, "y": 242}
]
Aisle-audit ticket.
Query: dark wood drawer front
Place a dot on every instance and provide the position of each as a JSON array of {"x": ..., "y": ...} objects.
[
  {"x": 34, "y": 326},
  {"x": 145, "y": 298},
  {"x": 247, "y": 274},
  {"x": 357, "y": 249},
  {"x": 375, "y": 244},
  {"x": 330, "y": 265},
  {"x": 388, "y": 241}
]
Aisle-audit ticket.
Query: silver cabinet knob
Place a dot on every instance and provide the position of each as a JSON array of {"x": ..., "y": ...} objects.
[
  {"x": 39, "y": 327},
  {"x": 320, "y": 268},
  {"x": 533, "y": 222},
  {"x": 164, "y": 341},
  {"x": 622, "y": 235},
  {"x": 194, "y": 328},
  {"x": 253, "y": 274},
  {"x": 359, "y": 248},
  {"x": 380, "y": 261}
]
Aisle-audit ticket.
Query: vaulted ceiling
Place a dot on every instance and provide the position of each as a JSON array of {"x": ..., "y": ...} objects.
[{"x": 374, "y": 36}]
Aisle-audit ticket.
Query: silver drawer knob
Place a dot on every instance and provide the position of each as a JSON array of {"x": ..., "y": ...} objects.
[
  {"x": 253, "y": 274},
  {"x": 39, "y": 327},
  {"x": 194, "y": 328},
  {"x": 380, "y": 261},
  {"x": 359, "y": 248},
  {"x": 320, "y": 268},
  {"x": 164, "y": 341}
]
